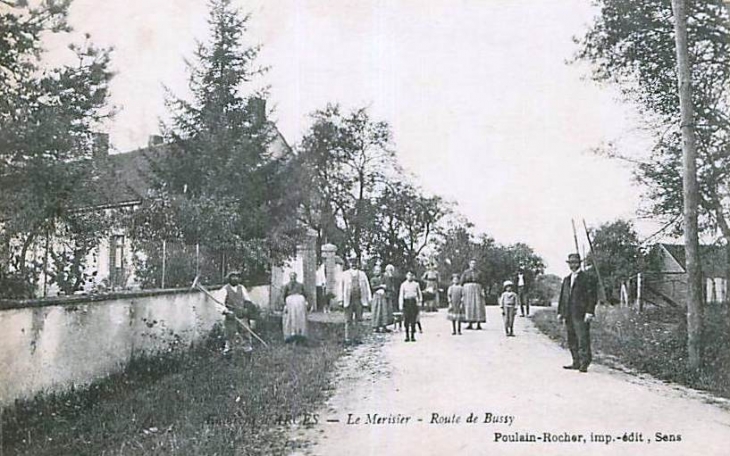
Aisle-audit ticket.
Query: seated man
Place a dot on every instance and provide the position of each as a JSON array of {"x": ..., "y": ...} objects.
[{"x": 238, "y": 306}]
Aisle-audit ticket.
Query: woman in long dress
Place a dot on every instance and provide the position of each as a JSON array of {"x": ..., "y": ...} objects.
[
  {"x": 391, "y": 294},
  {"x": 431, "y": 292},
  {"x": 294, "y": 318},
  {"x": 473, "y": 297},
  {"x": 380, "y": 301}
]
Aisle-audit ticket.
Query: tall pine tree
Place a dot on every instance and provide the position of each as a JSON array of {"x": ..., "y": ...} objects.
[{"x": 227, "y": 189}]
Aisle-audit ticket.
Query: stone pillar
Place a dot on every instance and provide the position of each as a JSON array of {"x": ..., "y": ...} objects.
[
  {"x": 329, "y": 251},
  {"x": 277, "y": 279},
  {"x": 307, "y": 251}
]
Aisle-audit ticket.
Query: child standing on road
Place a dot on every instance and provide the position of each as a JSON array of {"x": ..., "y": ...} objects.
[
  {"x": 409, "y": 299},
  {"x": 508, "y": 303},
  {"x": 456, "y": 306}
]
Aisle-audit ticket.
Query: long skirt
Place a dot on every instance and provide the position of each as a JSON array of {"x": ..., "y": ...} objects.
[
  {"x": 432, "y": 303},
  {"x": 294, "y": 319},
  {"x": 474, "y": 304},
  {"x": 456, "y": 312},
  {"x": 380, "y": 311}
]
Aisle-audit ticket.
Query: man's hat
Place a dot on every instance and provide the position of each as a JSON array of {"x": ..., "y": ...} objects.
[
  {"x": 508, "y": 283},
  {"x": 573, "y": 257},
  {"x": 233, "y": 273}
]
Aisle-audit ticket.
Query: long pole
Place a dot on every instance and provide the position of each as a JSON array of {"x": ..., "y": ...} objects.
[
  {"x": 164, "y": 260},
  {"x": 218, "y": 303},
  {"x": 575, "y": 239},
  {"x": 690, "y": 188},
  {"x": 197, "y": 259},
  {"x": 602, "y": 290}
]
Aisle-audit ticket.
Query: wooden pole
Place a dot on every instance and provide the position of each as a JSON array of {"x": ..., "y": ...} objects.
[
  {"x": 602, "y": 289},
  {"x": 164, "y": 260},
  {"x": 45, "y": 265},
  {"x": 197, "y": 259},
  {"x": 220, "y": 305},
  {"x": 690, "y": 187},
  {"x": 575, "y": 239}
]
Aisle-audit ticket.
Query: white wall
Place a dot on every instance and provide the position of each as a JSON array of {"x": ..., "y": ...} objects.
[{"x": 76, "y": 341}]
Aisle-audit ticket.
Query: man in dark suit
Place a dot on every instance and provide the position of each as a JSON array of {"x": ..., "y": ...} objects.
[{"x": 576, "y": 307}]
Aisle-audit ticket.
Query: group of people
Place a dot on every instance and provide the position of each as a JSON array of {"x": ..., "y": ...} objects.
[{"x": 466, "y": 300}]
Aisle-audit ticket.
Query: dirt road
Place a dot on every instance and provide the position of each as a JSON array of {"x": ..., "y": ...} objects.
[{"x": 514, "y": 388}]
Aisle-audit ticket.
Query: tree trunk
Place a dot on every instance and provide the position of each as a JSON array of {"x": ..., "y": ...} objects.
[{"x": 690, "y": 188}]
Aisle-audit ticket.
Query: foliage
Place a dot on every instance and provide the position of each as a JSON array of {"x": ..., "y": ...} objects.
[
  {"x": 631, "y": 44},
  {"x": 546, "y": 288},
  {"x": 347, "y": 161},
  {"x": 406, "y": 222},
  {"x": 223, "y": 183},
  {"x": 617, "y": 253},
  {"x": 81, "y": 233},
  {"x": 495, "y": 262},
  {"x": 47, "y": 115}
]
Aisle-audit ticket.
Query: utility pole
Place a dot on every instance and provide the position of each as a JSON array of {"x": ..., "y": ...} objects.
[{"x": 690, "y": 188}]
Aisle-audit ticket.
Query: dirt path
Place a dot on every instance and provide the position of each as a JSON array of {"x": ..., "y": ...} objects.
[{"x": 520, "y": 382}]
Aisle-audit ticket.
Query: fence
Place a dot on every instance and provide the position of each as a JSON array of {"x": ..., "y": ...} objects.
[{"x": 669, "y": 289}]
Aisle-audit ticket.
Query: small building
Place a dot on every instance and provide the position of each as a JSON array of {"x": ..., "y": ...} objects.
[{"x": 666, "y": 281}]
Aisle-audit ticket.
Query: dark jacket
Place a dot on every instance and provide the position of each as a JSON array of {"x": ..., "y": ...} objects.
[{"x": 581, "y": 299}]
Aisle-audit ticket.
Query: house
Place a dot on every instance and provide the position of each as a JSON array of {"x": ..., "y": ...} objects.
[
  {"x": 121, "y": 183},
  {"x": 666, "y": 280}
]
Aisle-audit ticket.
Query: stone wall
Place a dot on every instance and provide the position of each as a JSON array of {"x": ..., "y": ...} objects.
[{"x": 54, "y": 344}]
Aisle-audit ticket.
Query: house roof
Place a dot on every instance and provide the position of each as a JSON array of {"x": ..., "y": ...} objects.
[
  {"x": 127, "y": 178},
  {"x": 712, "y": 258}
]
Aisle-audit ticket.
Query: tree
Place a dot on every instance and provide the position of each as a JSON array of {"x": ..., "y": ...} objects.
[
  {"x": 496, "y": 262},
  {"x": 406, "y": 223},
  {"x": 226, "y": 187},
  {"x": 689, "y": 187},
  {"x": 632, "y": 45},
  {"x": 455, "y": 248},
  {"x": 348, "y": 161},
  {"x": 646, "y": 48},
  {"x": 546, "y": 288},
  {"x": 617, "y": 253},
  {"x": 47, "y": 116}
]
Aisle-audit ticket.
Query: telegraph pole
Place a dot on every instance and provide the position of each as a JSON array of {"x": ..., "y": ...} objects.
[{"x": 690, "y": 188}]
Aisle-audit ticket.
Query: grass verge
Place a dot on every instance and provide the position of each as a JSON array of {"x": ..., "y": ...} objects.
[
  {"x": 191, "y": 403},
  {"x": 655, "y": 342}
]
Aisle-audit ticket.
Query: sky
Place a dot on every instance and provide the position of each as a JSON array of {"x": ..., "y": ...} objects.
[{"x": 485, "y": 110}]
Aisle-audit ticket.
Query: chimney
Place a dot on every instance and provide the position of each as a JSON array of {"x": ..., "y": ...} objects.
[
  {"x": 100, "y": 145},
  {"x": 257, "y": 105},
  {"x": 154, "y": 140}
]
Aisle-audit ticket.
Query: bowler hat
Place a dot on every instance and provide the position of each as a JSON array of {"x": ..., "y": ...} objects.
[{"x": 573, "y": 257}]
